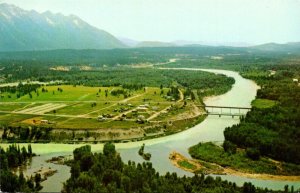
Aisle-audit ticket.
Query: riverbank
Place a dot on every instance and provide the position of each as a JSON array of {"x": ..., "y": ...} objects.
[
  {"x": 238, "y": 159},
  {"x": 212, "y": 168},
  {"x": 172, "y": 127}
]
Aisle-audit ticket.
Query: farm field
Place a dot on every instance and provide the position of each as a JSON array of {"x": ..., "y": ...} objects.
[{"x": 68, "y": 108}]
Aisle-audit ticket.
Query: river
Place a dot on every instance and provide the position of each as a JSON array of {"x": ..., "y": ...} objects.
[{"x": 211, "y": 129}]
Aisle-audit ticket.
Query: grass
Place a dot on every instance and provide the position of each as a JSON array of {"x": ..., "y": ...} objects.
[
  {"x": 186, "y": 164},
  {"x": 7, "y": 119},
  {"x": 256, "y": 73},
  {"x": 82, "y": 108},
  {"x": 69, "y": 93},
  {"x": 11, "y": 106},
  {"x": 263, "y": 103},
  {"x": 212, "y": 153}
]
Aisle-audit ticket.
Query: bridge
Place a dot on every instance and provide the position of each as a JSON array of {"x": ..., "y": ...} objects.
[{"x": 225, "y": 110}]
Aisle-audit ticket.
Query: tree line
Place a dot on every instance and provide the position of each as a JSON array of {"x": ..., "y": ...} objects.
[
  {"x": 26, "y": 133},
  {"x": 13, "y": 157},
  {"x": 107, "y": 173}
]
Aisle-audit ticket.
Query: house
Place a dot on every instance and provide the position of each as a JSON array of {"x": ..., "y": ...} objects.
[
  {"x": 101, "y": 118},
  {"x": 141, "y": 117},
  {"x": 44, "y": 121},
  {"x": 142, "y": 107}
]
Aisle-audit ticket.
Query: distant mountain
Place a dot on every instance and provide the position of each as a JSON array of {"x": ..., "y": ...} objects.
[
  {"x": 29, "y": 30},
  {"x": 288, "y": 47},
  {"x": 210, "y": 43},
  {"x": 155, "y": 44},
  {"x": 179, "y": 43},
  {"x": 129, "y": 42}
]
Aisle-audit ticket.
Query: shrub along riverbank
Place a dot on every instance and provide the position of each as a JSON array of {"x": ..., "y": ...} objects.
[{"x": 241, "y": 160}]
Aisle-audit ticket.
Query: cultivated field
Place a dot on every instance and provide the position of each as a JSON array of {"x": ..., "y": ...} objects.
[{"x": 97, "y": 109}]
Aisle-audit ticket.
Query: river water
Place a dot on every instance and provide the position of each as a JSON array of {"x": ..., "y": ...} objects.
[{"x": 211, "y": 129}]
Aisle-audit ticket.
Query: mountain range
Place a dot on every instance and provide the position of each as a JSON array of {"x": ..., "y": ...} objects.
[
  {"x": 29, "y": 30},
  {"x": 22, "y": 30}
]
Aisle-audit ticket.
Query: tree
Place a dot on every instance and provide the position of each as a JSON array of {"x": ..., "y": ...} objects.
[
  {"x": 253, "y": 153},
  {"x": 229, "y": 147},
  {"x": 86, "y": 162},
  {"x": 29, "y": 150},
  {"x": 37, "y": 180},
  {"x": 86, "y": 182},
  {"x": 22, "y": 180},
  {"x": 80, "y": 152},
  {"x": 75, "y": 170},
  {"x": 24, "y": 154},
  {"x": 109, "y": 149}
]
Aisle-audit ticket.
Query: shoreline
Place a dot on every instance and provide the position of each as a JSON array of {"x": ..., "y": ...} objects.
[
  {"x": 196, "y": 120},
  {"x": 175, "y": 157}
]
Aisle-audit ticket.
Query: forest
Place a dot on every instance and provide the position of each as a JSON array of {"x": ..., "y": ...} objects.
[
  {"x": 106, "y": 172},
  {"x": 112, "y": 57},
  {"x": 122, "y": 76},
  {"x": 274, "y": 131},
  {"x": 14, "y": 157}
]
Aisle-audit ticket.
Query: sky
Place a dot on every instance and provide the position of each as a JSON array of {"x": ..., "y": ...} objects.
[{"x": 241, "y": 21}]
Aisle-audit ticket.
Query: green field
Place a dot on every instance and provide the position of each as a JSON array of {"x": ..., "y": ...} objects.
[
  {"x": 263, "y": 103},
  {"x": 69, "y": 93},
  {"x": 79, "y": 108}
]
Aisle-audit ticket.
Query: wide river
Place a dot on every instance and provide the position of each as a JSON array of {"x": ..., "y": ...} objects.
[{"x": 211, "y": 129}]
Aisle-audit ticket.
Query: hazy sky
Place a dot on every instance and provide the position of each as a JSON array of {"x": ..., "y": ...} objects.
[{"x": 252, "y": 21}]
